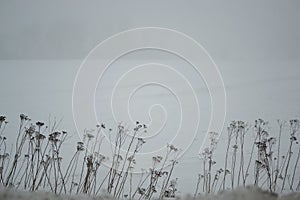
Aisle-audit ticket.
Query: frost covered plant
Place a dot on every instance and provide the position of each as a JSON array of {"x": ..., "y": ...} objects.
[
  {"x": 294, "y": 127},
  {"x": 36, "y": 161},
  {"x": 200, "y": 176},
  {"x": 208, "y": 162},
  {"x": 264, "y": 161},
  {"x": 160, "y": 173},
  {"x": 92, "y": 161},
  {"x": 170, "y": 191},
  {"x": 271, "y": 171},
  {"x": 3, "y": 123},
  {"x": 237, "y": 131},
  {"x": 235, "y": 139},
  {"x": 230, "y": 132},
  {"x": 125, "y": 147},
  {"x": 19, "y": 147}
]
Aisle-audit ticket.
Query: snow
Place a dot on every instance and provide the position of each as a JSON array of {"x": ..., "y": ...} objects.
[
  {"x": 249, "y": 193},
  {"x": 10, "y": 194}
]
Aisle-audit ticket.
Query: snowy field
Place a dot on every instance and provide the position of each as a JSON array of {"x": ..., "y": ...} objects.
[{"x": 245, "y": 194}]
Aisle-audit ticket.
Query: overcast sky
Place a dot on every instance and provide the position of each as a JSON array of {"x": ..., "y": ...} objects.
[
  {"x": 229, "y": 30},
  {"x": 255, "y": 44}
]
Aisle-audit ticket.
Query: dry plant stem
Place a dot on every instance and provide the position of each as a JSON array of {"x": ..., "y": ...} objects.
[
  {"x": 130, "y": 186},
  {"x": 44, "y": 163},
  {"x": 256, "y": 173},
  {"x": 287, "y": 165},
  {"x": 278, "y": 156},
  {"x": 156, "y": 180},
  {"x": 8, "y": 163},
  {"x": 210, "y": 163},
  {"x": 204, "y": 176},
  {"x": 131, "y": 160},
  {"x": 241, "y": 174},
  {"x": 226, "y": 156},
  {"x": 95, "y": 179},
  {"x": 216, "y": 181},
  {"x": 88, "y": 173},
  {"x": 164, "y": 186},
  {"x": 19, "y": 134},
  {"x": 73, "y": 174},
  {"x": 250, "y": 160},
  {"x": 233, "y": 162},
  {"x": 117, "y": 191},
  {"x": 298, "y": 186},
  {"x": 294, "y": 171},
  {"x": 152, "y": 175},
  {"x": 15, "y": 162},
  {"x": 3, "y": 128},
  {"x": 197, "y": 186},
  {"x": 112, "y": 171},
  {"x": 141, "y": 183},
  {"x": 70, "y": 166},
  {"x": 82, "y": 167},
  {"x": 100, "y": 186},
  {"x": 19, "y": 171}
]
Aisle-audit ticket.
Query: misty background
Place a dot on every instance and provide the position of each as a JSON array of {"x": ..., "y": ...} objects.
[{"x": 256, "y": 46}]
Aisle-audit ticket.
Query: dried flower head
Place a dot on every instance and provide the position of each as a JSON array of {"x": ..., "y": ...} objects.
[
  {"x": 2, "y": 118},
  {"x": 80, "y": 146},
  {"x": 90, "y": 136},
  {"x": 40, "y": 136},
  {"x": 30, "y": 130},
  {"x": 39, "y": 124},
  {"x": 141, "y": 141},
  {"x": 172, "y": 148},
  {"x": 23, "y": 117}
]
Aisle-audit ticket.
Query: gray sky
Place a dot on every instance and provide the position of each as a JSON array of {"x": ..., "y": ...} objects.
[
  {"x": 69, "y": 29},
  {"x": 256, "y": 45}
]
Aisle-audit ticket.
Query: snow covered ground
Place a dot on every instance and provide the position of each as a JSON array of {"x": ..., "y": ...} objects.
[
  {"x": 244, "y": 194},
  {"x": 249, "y": 194},
  {"x": 8, "y": 194}
]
